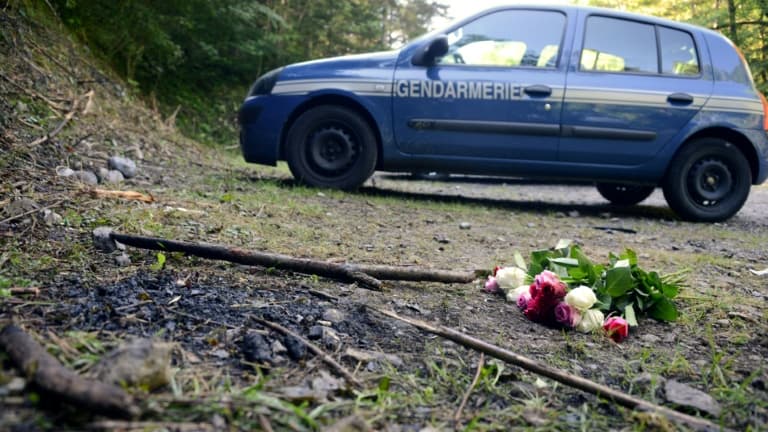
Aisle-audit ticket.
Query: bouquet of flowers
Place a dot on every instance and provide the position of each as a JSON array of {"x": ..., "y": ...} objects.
[{"x": 562, "y": 287}]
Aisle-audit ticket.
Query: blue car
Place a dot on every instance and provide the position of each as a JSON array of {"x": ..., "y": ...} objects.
[{"x": 628, "y": 101}]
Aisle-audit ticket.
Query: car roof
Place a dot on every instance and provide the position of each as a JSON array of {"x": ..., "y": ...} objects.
[{"x": 584, "y": 9}]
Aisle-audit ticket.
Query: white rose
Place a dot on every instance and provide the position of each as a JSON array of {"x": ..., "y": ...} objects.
[
  {"x": 581, "y": 298},
  {"x": 591, "y": 320},
  {"x": 510, "y": 277},
  {"x": 512, "y": 295}
]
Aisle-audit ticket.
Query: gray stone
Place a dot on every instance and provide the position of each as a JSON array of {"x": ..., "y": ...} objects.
[
  {"x": 64, "y": 171},
  {"x": 16, "y": 385},
  {"x": 113, "y": 176},
  {"x": 52, "y": 218},
  {"x": 21, "y": 107},
  {"x": 102, "y": 174},
  {"x": 86, "y": 177},
  {"x": 123, "y": 260},
  {"x": 647, "y": 378},
  {"x": 334, "y": 316},
  {"x": 650, "y": 338},
  {"x": 141, "y": 362},
  {"x": 102, "y": 239},
  {"x": 122, "y": 164},
  {"x": 684, "y": 395},
  {"x": 465, "y": 225},
  {"x": 278, "y": 348}
]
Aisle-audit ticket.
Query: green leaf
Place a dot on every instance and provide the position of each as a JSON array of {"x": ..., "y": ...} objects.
[
  {"x": 629, "y": 315},
  {"x": 160, "y": 263},
  {"x": 384, "y": 383},
  {"x": 519, "y": 261},
  {"x": 630, "y": 256},
  {"x": 669, "y": 290},
  {"x": 567, "y": 262},
  {"x": 538, "y": 262},
  {"x": 618, "y": 281},
  {"x": 663, "y": 310}
]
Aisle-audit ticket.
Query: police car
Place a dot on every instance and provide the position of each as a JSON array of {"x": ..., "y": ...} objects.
[{"x": 630, "y": 102}]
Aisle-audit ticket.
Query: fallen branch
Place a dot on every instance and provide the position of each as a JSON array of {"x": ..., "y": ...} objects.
[
  {"x": 67, "y": 117},
  {"x": 51, "y": 377},
  {"x": 460, "y": 410},
  {"x": 561, "y": 376},
  {"x": 368, "y": 275},
  {"x": 129, "y": 195},
  {"x": 312, "y": 347},
  {"x": 34, "y": 291}
]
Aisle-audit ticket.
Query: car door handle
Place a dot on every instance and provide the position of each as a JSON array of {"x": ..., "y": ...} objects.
[
  {"x": 680, "y": 98},
  {"x": 538, "y": 90}
]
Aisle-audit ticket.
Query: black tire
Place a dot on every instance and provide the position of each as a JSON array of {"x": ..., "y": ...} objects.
[
  {"x": 624, "y": 194},
  {"x": 707, "y": 181},
  {"x": 331, "y": 147}
]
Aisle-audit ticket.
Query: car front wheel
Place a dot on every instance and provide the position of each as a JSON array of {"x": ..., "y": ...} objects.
[
  {"x": 624, "y": 194},
  {"x": 332, "y": 147},
  {"x": 707, "y": 181}
]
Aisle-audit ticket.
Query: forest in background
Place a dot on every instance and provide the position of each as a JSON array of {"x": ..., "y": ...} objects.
[{"x": 200, "y": 56}]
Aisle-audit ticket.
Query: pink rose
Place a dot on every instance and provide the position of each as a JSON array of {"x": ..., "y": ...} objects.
[
  {"x": 523, "y": 299},
  {"x": 617, "y": 328},
  {"x": 491, "y": 285},
  {"x": 567, "y": 315}
]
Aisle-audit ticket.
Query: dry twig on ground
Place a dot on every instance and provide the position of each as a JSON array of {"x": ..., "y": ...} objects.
[{"x": 59, "y": 382}]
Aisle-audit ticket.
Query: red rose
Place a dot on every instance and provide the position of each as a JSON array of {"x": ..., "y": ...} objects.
[
  {"x": 567, "y": 315},
  {"x": 546, "y": 292},
  {"x": 617, "y": 328}
]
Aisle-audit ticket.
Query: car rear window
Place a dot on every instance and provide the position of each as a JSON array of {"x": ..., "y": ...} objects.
[{"x": 619, "y": 45}]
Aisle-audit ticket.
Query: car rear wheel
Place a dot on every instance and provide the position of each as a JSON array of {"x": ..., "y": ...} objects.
[
  {"x": 624, "y": 194},
  {"x": 707, "y": 181},
  {"x": 331, "y": 146}
]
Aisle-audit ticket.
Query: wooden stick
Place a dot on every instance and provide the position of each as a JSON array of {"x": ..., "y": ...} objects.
[
  {"x": 52, "y": 378},
  {"x": 459, "y": 411},
  {"x": 368, "y": 275},
  {"x": 312, "y": 347},
  {"x": 559, "y": 375},
  {"x": 35, "y": 291}
]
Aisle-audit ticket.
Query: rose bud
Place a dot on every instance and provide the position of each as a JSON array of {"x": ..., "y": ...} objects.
[
  {"x": 491, "y": 285},
  {"x": 549, "y": 282},
  {"x": 591, "y": 320},
  {"x": 510, "y": 277},
  {"x": 523, "y": 300},
  {"x": 617, "y": 328},
  {"x": 581, "y": 298},
  {"x": 567, "y": 315},
  {"x": 513, "y": 295}
]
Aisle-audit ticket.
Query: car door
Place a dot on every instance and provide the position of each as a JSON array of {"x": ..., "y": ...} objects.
[
  {"x": 497, "y": 93},
  {"x": 635, "y": 86}
]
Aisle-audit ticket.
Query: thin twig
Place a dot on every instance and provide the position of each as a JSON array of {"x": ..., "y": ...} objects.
[
  {"x": 559, "y": 375},
  {"x": 35, "y": 291},
  {"x": 12, "y": 218},
  {"x": 459, "y": 411},
  {"x": 265, "y": 424},
  {"x": 312, "y": 347},
  {"x": 201, "y": 319}
]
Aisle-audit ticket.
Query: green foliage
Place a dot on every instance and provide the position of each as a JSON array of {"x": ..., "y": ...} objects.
[
  {"x": 201, "y": 55},
  {"x": 621, "y": 287}
]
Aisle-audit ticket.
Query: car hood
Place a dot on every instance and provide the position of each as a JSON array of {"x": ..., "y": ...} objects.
[{"x": 368, "y": 65}]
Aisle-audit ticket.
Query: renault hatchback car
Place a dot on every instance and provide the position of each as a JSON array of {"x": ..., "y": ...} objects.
[{"x": 630, "y": 102}]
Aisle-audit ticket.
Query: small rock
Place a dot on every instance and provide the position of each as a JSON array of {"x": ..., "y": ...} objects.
[
  {"x": 647, "y": 378},
  {"x": 137, "y": 152},
  {"x": 255, "y": 348},
  {"x": 333, "y": 316},
  {"x": 278, "y": 348},
  {"x": 15, "y": 385},
  {"x": 220, "y": 353},
  {"x": 140, "y": 362},
  {"x": 123, "y": 260},
  {"x": 101, "y": 173},
  {"x": 52, "y": 218},
  {"x": 126, "y": 166},
  {"x": 441, "y": 239},
  {"x": 574, "y": 213},
  {"x": 86, "y": 177},
  {"x": 316, "y": 332},
  {"x": 684, "y": 395},
  {"x": 650, "y": 338},
  {"x": 64, "y": 171},
  {"x": 21, "y": 107},
  {"x": 102, "y": 239},
  {"x": 369, "y": 356},
  {"x": 723, "y": 322},
  {"x": 296, "y": 349},
  {"x": 465, "y": 225},
  {"x": 113, "y": 176}
]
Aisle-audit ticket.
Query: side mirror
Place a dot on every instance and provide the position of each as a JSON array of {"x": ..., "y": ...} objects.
[{"x": 428, "y": 53}]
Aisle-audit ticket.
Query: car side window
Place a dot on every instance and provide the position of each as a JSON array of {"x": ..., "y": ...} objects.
[
  {"x": 511, "y": 38},
  {"x": 678, "y": 53},
  {"x": 618, "y": 45}
]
